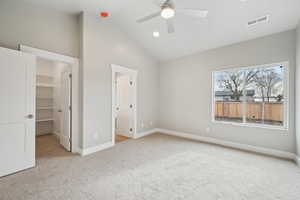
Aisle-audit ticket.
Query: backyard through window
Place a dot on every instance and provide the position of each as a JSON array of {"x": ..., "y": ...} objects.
[{"x": 253, "y": 95}]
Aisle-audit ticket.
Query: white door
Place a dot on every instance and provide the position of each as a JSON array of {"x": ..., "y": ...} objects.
[
  {"x": 65, "y": 136},
  {"x": 17, "y": 109},
  {"x": 124, "y": 106}
]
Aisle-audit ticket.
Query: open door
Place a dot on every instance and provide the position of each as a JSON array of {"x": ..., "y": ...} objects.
[
  {"x": 124, "y": 101},
  {"x": 65, "y": 136},
  {"x": 17, "y": 109}
]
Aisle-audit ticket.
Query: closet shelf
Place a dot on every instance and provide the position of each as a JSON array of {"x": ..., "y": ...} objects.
[
  {"x": 44, "y": 120},
  {"x": 44, "y": 98},
  {"x": 44, "y": 85},
  {"x": 44, "y": 75},
  {"x": 45, "y": 108}
]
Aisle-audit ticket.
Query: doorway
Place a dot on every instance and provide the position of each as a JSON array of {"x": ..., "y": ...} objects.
[
  {"x": 53, "y": 105},
  {"x": 28, "y": 99},
  {"x": 56, "y": 100},
  {"x": 123, "y": 103}
]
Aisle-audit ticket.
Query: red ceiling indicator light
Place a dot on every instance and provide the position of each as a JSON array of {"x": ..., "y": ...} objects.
[{"x": 104, "y": 14}]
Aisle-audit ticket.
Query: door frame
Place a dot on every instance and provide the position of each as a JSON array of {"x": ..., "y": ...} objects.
[
  {"x": 74, "y": 62},
  {"x": 132, "y": 73}
]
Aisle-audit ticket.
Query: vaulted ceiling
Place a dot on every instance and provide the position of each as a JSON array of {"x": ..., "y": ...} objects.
[{"x": 225, "y": 24}]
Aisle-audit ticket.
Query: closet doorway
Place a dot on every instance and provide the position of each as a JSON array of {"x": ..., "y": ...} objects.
[
  {"x": 123, "y": 103},
  {"x": 56, "y": 103},
  {"x": 53, "y": 102}
]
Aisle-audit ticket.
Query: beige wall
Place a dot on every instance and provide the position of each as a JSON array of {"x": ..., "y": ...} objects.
[
  {"x": 186, "y": 90},
  {"x": 104, "y": 44},
  {"x": 38, "y": 27},
  {"x": 298, "y": 91}
]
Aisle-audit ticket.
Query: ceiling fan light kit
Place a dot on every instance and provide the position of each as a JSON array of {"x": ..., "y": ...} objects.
[{"x": 168, "y": 11}]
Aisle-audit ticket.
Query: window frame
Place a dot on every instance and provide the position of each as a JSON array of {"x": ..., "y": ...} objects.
[{"x": 286, "y": 95}]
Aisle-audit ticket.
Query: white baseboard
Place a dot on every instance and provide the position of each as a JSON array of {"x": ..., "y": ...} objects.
[
  {"x": 145, "y": 133},
  {"x": 297, "y": 160},
  {"x": 90, "y": 150},
  {"x": 123, "y": 133},
  {"x": 87, "y": 151},
  {"x": 262, "y": 150}
]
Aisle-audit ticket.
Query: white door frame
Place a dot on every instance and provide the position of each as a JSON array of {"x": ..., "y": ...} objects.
[
  {"x": 74, "y": 62},
  {"x": 132, "y": 73}
]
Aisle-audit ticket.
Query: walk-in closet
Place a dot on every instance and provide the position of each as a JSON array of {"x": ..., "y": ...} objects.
[{"x": 53, "y": 100}]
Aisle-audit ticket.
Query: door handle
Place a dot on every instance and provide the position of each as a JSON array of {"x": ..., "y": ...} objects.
[
  {"x": 30, "y": 116},
  {"x": 59, "y": 110}
]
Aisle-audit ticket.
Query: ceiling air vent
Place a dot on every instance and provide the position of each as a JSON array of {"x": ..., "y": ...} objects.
[{"x": 258, "y": 20}]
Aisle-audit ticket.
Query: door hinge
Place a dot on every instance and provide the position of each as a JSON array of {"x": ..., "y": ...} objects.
[{"x": 70, "y": 108}]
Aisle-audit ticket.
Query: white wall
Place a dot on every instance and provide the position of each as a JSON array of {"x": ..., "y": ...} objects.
[
  {"x": 38, "y": 27},
  {"x": 298, "y": 91},
  {"x": 186, "y": 90},
  {"x": 104, "y": 44}
]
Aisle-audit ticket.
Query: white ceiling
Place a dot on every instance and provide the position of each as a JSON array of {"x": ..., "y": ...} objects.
[{"x": 225, "y": 24}]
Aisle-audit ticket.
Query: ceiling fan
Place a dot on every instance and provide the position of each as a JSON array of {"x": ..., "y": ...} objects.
[{"x": 167, "y": 11}]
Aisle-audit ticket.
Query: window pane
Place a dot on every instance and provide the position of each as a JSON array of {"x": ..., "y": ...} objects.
[
  {"x": 250, "y": 95},
  {"x": 228, "y": 93},
  {"x": 264, "y": 96}
]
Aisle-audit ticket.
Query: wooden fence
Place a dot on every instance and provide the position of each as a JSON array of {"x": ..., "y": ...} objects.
[{"x": 254, "y": 111}]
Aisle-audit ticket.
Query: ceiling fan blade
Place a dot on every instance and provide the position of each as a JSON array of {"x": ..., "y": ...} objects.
[
  {"x": 146, "y": 18},
  {"x": 160, "y": 2},
  {"x": 170, "y": 25},
  {"x": 194, "y": 12}
]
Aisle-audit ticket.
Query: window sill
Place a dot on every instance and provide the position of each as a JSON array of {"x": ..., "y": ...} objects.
[{"x": 270, "y": 127}]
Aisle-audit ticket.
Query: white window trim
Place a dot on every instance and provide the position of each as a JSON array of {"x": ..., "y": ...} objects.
[{"x": 286, "y": 105}]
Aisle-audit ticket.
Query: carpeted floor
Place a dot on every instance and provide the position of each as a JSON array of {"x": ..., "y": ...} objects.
[{"x": 156, "y": 167}]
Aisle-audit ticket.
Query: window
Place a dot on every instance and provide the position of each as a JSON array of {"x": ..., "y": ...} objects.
[{"x": 251, "y": 96}]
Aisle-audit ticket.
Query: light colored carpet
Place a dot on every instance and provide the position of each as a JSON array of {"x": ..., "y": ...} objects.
[{"x": 156, "y": 167}]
